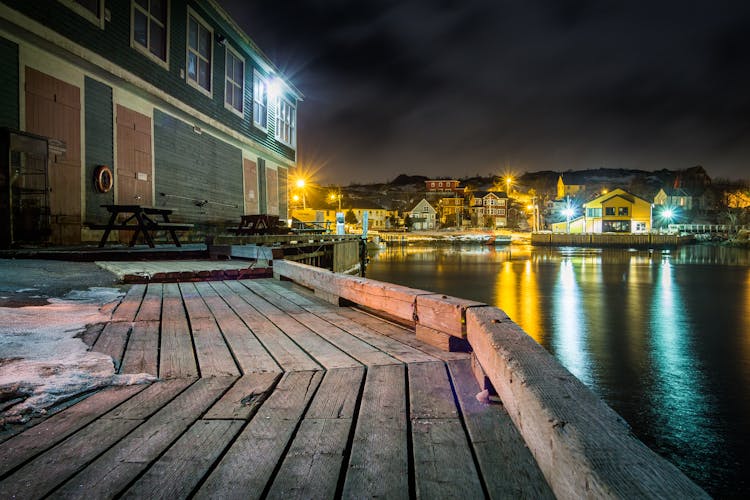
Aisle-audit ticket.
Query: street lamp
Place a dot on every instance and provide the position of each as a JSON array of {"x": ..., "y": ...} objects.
[
  {"x": 508, "y": 181},
  {"x": 336, "y": 196},
  {"x": 568, "y": 213},
  {"x": 301, "y": 187}
]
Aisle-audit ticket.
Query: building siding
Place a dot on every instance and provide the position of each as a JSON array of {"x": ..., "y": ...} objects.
[
  {"x": 185, "y": 160},
  {"x": 99, "y": 148},
  {"x": 9, "y": 84},
  {"x": 113, "y": 43}
]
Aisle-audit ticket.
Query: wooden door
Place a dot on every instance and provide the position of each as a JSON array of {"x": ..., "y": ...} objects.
[
  {"x": 250, "y": 174},
  {"x": 133, "y": 172},
  {"x": 53, "y": 109}
]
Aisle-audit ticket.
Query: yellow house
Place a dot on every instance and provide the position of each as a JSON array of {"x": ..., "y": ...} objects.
[
  {"x": 568, "y": 189},
  {"x": 617, "y": 212}
]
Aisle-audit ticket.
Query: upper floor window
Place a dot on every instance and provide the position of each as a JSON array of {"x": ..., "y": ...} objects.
[
  {"x": 260, "y": 101},
  {"x": 622, "y": 210},
  {"x": 609, "y": 210},
  {"x": 234, "y": 89},
  {"x": 93, "y": 10},
  {"x": 286, "y": 122},
  {"x": 150, "y": 29},
  {"x": 200, "y": 49}
]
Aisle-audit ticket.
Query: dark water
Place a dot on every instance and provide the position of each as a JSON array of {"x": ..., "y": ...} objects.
[{"x": 663, "y": 337}]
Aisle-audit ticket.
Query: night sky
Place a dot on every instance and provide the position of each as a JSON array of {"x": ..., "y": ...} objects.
[{"x": 458, "y": 88}]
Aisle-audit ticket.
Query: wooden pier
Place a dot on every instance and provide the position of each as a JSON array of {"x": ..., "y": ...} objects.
[{"x": 269, "y": 390}]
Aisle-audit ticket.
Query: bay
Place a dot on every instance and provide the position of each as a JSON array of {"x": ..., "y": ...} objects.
[{"x": 662, "y": 336}]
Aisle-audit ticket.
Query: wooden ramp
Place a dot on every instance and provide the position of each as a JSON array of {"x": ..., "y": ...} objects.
[{"x": 265, "y": 391}]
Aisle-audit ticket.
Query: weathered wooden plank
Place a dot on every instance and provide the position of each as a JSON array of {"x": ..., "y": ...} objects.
[
  {"x": 181, "y": 468},
  {"x": 128, "y": 307},
  {"x": 443, "y": 465},
  {"x": 143, "y": 349},
  {"x": 91, "y": 334},
  {"x": 390, "y": 346},
  {"x": 246, "y": 348},
  {"x": 312, "y": 465},
  {"x": 442, "y": 340},
  {"x": 321, "y": 349},
  {"x": 194, "y": 304},
  {"x": 355, "y": 347},
  {"x": 505, "y": 462},
  {"x": 150, "y": 309},
  {"x": 264, "y": 290},
  {"x": 214, "y": 357},
  {"x": 579, "y": 442},
  {"x": 112, "y": 341},
  {"x": 54, "y": 429},
  {"x": 177, "y": 359},
  {"x": 242, "y": 401},
  {"x": 150, "y": 400},
  {"x": 379, "y": 465},
  {"x": 444, "y": 313},
  {"x": 247, "y": 466},
  {"x": 115, "y": 469},
  {"x": 286, "y": 353},
  {"x": 40, "y": 476}
]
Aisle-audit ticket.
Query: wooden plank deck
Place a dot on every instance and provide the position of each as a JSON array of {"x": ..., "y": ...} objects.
[{"x": 265, "y": 391}]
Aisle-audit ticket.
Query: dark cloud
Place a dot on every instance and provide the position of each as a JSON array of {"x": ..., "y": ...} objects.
[{"x": 464, "y": 87}]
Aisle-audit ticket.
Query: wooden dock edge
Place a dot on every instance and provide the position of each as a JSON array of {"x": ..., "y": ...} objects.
[{"x": 582, "y": 446}]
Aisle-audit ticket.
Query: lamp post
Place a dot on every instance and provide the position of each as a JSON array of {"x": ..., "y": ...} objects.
[
  {"x": 334, "y": 197},
  {"x": 301, "y": 187},
  {"x": 508, "y": 181},
  {"x": 568, "y": 212}
]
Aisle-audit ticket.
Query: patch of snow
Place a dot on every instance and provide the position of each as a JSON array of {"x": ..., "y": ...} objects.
[
  {"x": 23, "y": 290},
  {"x": 42, "y": 361}
]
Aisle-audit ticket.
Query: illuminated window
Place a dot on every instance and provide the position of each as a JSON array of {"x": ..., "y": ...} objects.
[
  {"x": 149, "y": 32},
  {"x": 286, "y": 122},
  {"x": 235, "y": 82},
  {"x": 595, "y": 212},
  {"x": 200, "y": 49},
  {"x": 260, "y": 101},
  {"x": 622, "y": 211}
]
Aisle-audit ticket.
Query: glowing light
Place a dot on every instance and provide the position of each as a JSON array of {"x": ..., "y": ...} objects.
[
  {"x": 667, "y": 213},
  {"x": 568, "y": 212},
  {"x": 274, "y": 86},
  {"x": 300, "y": 183}
]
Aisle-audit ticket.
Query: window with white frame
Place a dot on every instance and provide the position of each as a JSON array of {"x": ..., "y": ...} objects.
[
  {"x": 93, "y": 10},
  {"x": 286, "y": 118},
  {"x": 150, "y": 28},
  {"x": 260, "y": 101},
  {"x": 234, "y": 88},
  {"x": 199, "y": 51}
]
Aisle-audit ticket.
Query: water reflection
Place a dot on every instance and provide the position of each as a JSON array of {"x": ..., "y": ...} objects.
[{"x": 569, "y": 330}]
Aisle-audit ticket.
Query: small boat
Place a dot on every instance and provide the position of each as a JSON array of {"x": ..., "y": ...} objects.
[{"x": 500, "y": 239}]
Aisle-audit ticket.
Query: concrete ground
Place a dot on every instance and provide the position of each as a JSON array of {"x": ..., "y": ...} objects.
[{"x": 25, "y": 282}]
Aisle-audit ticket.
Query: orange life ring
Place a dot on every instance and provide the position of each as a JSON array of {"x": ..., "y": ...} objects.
[{"x": 103, "y": 179}]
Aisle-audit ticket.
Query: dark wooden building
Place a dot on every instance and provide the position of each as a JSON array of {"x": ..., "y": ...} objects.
[{"x": 170, "y": 96}]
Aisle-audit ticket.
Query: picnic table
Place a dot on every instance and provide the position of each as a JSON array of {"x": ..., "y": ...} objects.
[
  {"x": 141, "y": 220},
  {"x": 257, "y": 224}
]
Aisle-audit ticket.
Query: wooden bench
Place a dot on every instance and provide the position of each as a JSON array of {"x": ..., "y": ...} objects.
[{"x": 139, "y": 220}]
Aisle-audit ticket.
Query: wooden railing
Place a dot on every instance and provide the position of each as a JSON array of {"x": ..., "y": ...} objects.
[{"x": 581, "y": 445}]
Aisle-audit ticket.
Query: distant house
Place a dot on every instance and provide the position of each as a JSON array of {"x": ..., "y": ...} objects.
[
  {"x": 685, "y": 198},
  {"x": 442, "y": 186},
  {"x": 489, "y": 208},
  {"x": 377, "y": 216},
  {"x": 423, "y": 216},
  {"x": 452, "y": 210},
  {"x": 569, "y": 186},
  {"x": 617, "y": 212}
]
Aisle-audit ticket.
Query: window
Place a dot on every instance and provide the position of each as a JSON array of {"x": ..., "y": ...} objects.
[
  {"x": 594, "y": 212},
  {"x": 286, "y": 122},
  {"x": 93, "y": 10},
  {"x": 260, "y": 101},
  {"x": 622, "y": 211},
  {"x": 234, "y": 88},
  {"x": 500, "y": 211},
  {"x": 149, "y": 30},
  {"x": 609, "y": 211},
  {"x": 615, "y": 226},
  {"x": 200, "y": 48},
  {"x": 640, "y": 227}
]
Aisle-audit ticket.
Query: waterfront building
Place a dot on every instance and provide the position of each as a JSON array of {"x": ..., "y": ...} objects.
[
  {"x": 489, "y": 208},
  {"x": 452, "y": 210},
  {"x": 423, "y": 216},
  {"x": 442, "y": 186},
  {"x": 617, "y": 211},
  {"x": 170, "y": 101}
]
